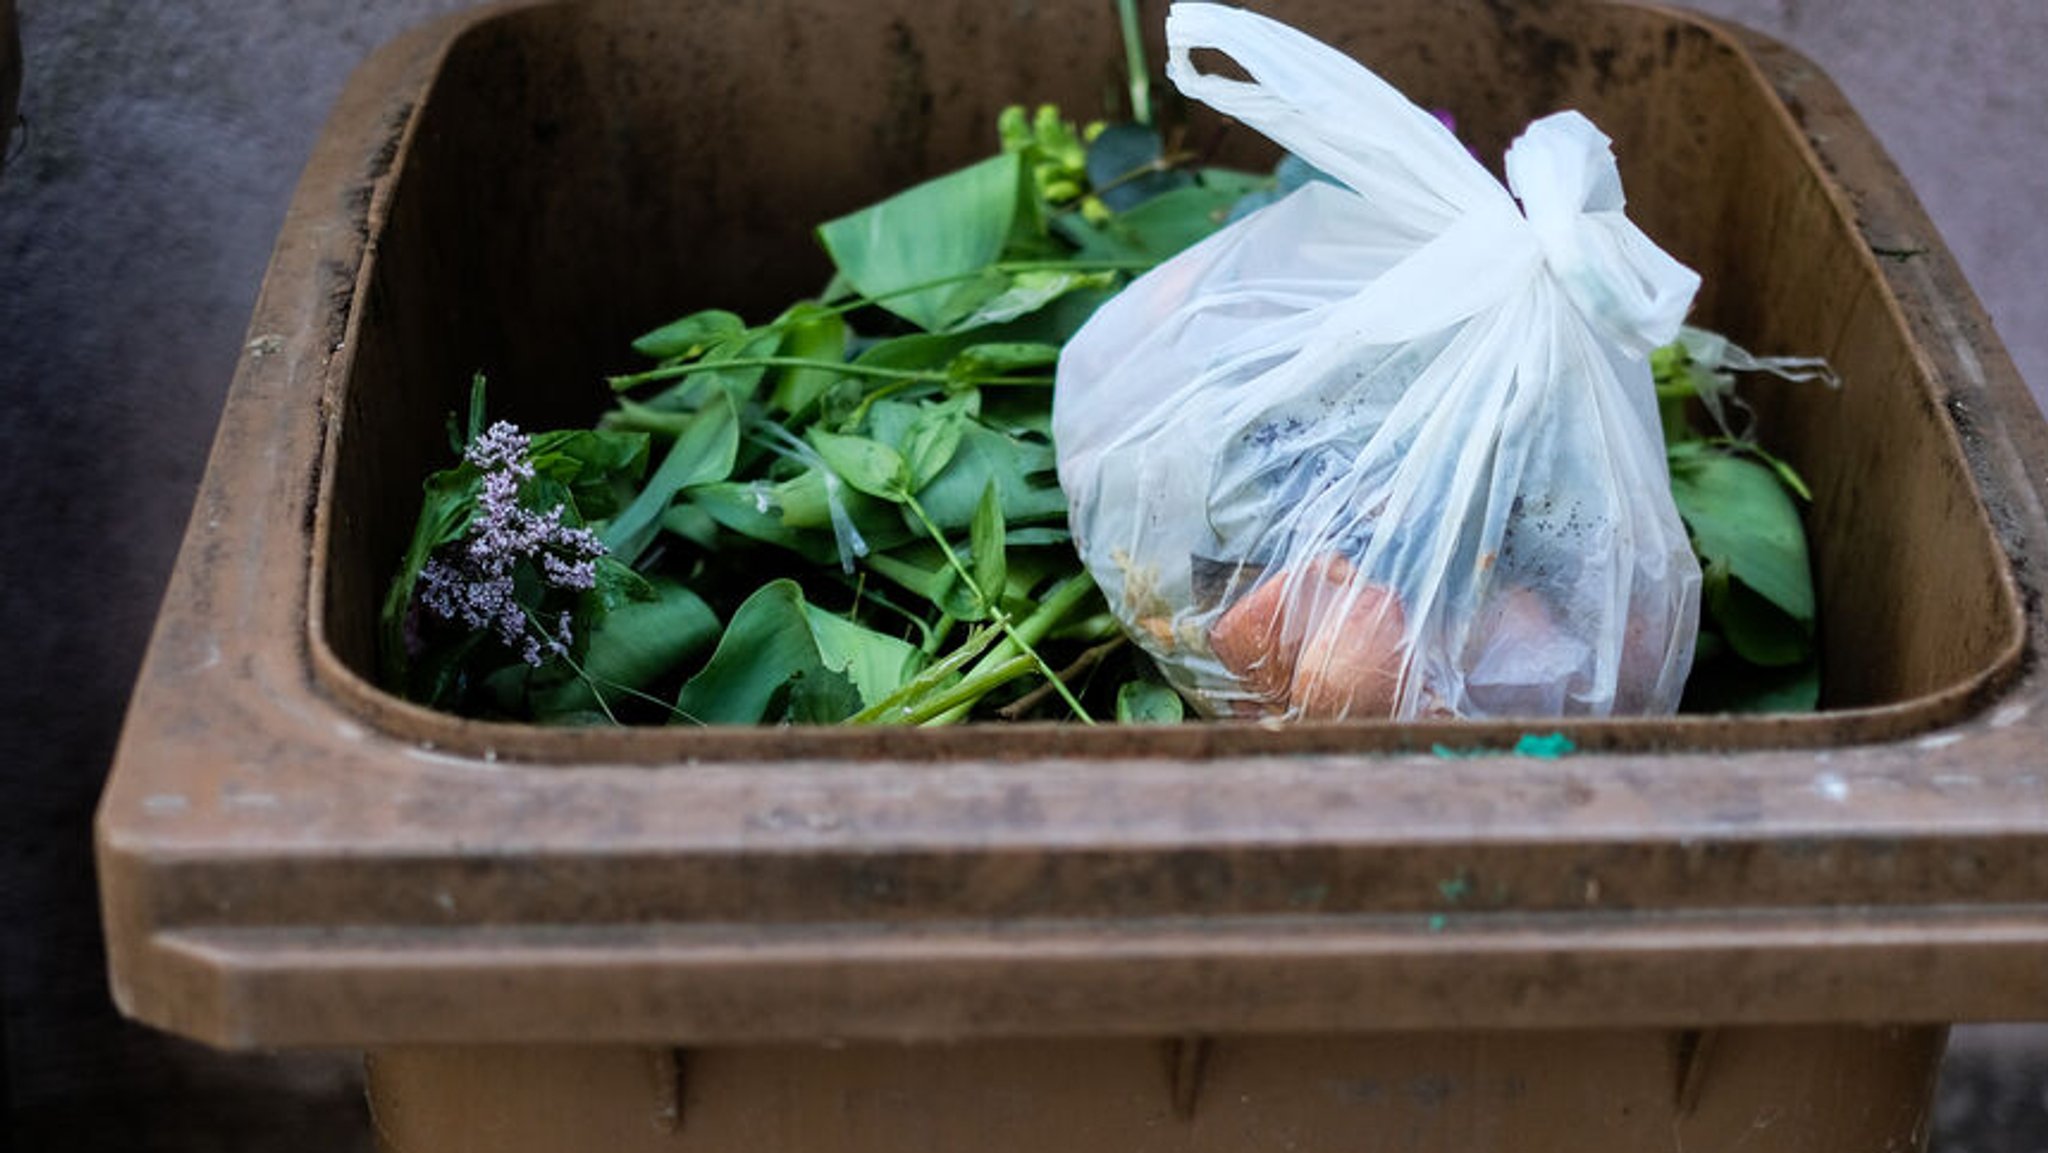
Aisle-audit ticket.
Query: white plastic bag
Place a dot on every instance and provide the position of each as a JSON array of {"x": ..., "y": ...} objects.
[{"x": 1389, "y": 448}]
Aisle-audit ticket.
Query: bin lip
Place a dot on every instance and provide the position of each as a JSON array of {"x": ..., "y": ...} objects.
[
  {"x": 349, "y": 690},
  {"x": 270, "y": 871}
]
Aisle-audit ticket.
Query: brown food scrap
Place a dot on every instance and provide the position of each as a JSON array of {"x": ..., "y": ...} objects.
[
  {"x": 1316, "y": 642},
  {"x": 1351, "y": 663}
]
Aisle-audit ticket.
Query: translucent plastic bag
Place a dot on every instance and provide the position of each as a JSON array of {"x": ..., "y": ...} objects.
[{"x": 1388, "y": 447}]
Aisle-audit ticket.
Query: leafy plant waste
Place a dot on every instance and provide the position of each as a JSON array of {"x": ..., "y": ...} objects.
[{"x": 848, "y": 513}]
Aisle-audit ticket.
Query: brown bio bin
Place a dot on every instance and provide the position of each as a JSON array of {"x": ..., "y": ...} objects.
[{"x": 1686, "y": 933}]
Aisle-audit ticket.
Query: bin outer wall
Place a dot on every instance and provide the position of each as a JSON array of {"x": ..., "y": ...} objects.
[
  {"x": 283, "y": 865},
  {"x": 1770, "y": 1090}
]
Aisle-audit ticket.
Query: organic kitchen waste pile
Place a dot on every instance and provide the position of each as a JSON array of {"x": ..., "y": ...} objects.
[{"x": 1372, "y": 436}]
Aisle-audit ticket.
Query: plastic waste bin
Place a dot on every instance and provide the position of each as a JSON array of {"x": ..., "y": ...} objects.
[{"x": 1035, "y": 936}]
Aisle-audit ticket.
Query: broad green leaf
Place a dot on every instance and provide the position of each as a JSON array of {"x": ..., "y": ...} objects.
[
  {"x": 991, "y": 563},
  {"x": 923, "y": 569},
  {"x": 918, "y": 351},
  {"x": 690, "y": 335},
  {"x": 934, "y": 580},
  {"x": 1757, "y": 630},
  {"x": 448, "y": 503},
  {"x": 776, "y": 639},
  {"x": 1027, "y": 292},
  {"x": 813, "y": 333},
  {"x": 1742, "y": 520},
  {"x": 816, "y": 698},
  {"x": 804, "y": 501},
  {"x": 766, "y": 644},
  {"x": 933, "y": 436},
  {"x": 597, "y": 466},
  {"x": 1159, "y": 228},
  {"x": 1021, "y": 469},
  {"x": 1148, "y": 703},
  {"x": 1234, "y": 184},
  {"x": 915, "y": 252},
  {"x": 1124, "y": 167},
  {"x": 618, "y": 584},
  {"x": 867, "y": 465},
  {"x": 569, "y": 454},
  {"x": 632, "y": 646},
  {"x": 750, "y": 509},
  {"x": 715, "y": 373},
  {"x": 703, "y": 454},
  {"x": 876, "y": 663},
  {"x": 685, "y": 519}
]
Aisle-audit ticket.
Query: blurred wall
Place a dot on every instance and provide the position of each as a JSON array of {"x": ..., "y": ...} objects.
[{"x": 136, "y": 215}]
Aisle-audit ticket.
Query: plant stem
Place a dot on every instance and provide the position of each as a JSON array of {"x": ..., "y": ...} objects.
[
  {"x": 1052, "y": 609},
  {"x": 897, "y": 708},
  {"x": 949, "y": 705},
  {"x": 847, "y": 367},
  {"x": 995, "y": 610},
  {"x": 862, "y": 300},
  {"x": 1088, "y": 659},
  {"x": 1134, "y": 62}
]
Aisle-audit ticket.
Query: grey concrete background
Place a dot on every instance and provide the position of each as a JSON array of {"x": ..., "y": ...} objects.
[{"x": 136, "y": 215}]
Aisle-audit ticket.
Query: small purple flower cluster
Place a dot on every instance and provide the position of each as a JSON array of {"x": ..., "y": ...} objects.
[{"x": 477, "y": 587}]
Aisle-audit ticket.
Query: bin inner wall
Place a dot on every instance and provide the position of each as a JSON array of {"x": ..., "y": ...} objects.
[{"x": 580, "y": 173}]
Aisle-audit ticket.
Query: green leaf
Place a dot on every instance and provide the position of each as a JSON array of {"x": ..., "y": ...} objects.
[
  {"x": 767, "y": 643},
  {"x": 877, "y": 664},
  {"x": 477, "y": 415},
  {"x": 812, "y": 333},
  {"x": 751, "y": 509},
  {"x": 818, "y": 698},
  {"x": 689, "y": 336},
  {"x": 1757, "y": 630},
  {"x": 703, "y": 454},
  {"x": 1158, "y": 228},
  {"x": 1125, "y": 167},
  {"x": 448, "y": 503},
  {"x": 805, "y": 501},
  {"x": 597, "y": 466},
  {"x": 935, "y": 234},
  {"x": 1232, "y": 183},
  {"x": 713, "y": 375},
  {"x": 917, "y": 351},
  {"x": 990, "y": 561},
  {"x": 777, "y": 640},
  {"x": 1728, "y": 685},
  {"x": 1003, "y": 359},
  {"x": 1029, "y": 291},
  {"x": 690, "y": 522},
  {"x": 923, "y": 572},
  {"x": 1743, "y": 521},
  {"x": 1021, "y": 469},
  {"x": 933, "y": 436},
  {"x": 1148, "y": 703},
  {"x": 631, "y": 646},
  {"x": 1038, "y": 535},
  {"x": 867, "y": 465}
]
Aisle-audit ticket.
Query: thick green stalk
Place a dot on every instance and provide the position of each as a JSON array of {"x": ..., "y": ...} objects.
[
  {"x": 1134, "y": 62},
  {"x": 1056, "y": 606},
  {"x": 995, "y": 610}
]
